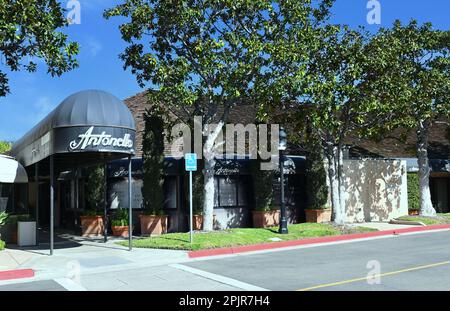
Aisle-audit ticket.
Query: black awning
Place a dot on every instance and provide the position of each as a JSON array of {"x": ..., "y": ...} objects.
[{"x": 90, "y": 122}]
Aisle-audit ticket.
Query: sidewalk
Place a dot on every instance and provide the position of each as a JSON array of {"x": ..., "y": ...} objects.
[{"x": 84, "y": 257}]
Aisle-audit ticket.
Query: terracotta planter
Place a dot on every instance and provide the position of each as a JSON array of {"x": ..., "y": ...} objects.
[
  {"x": 412, "y": 212},
  {"x": 265, "y": 219},
  {"x": 153, "y": 225},
  {"x": 91, "y": 225},
  {"x": 318, "y": 215},
  {"x": 197, "y": 222},
  {"x": 121, "y": 231}
]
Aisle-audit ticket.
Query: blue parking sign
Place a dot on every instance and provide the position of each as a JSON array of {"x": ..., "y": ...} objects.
[{"x": 190, "y": 161}]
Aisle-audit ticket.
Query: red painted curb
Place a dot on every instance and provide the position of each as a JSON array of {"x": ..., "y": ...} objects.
[
  {"x": 16, "y": 274},
  {"x": 318, "y": 240}
]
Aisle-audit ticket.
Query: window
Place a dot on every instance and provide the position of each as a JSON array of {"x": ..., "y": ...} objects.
[{"x": 231, "y": 191}]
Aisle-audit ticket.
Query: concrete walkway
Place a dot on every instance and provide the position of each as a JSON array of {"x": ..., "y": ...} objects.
[{"x": 85, "y": 257}]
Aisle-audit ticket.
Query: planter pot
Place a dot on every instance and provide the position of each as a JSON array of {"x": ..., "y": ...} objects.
[
  {"x": 91, "y": 225},
  {"x": 412, "y": 212},
  {"x": 197, "y": 222},
  {"x": 26, "y": 233},
  {"x": 153, "y": 225},
  {"x": 318, "y": 215},
  {"x": 266, "y": 219},
  {"x": 121, "y": 231}
]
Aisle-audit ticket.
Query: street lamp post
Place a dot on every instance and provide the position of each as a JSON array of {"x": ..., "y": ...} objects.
[{"x": 282, "y": 147}]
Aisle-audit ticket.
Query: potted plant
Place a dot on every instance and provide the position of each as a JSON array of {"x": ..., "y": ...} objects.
[
  {"x": 316, "y": 185},
  {"x": 318, "y": 215},
  {"x": 91, "y": 223},
  {"x": 12, "y": 224},
  {"x": 264, "y": 217},
  {"x": 152, "y": 219},
  {"x": 266, "y": 213},
  {"x": 3, "y": 217},
  {"x": 197, "y": 219},
  {"x": 119, "y": 223}
]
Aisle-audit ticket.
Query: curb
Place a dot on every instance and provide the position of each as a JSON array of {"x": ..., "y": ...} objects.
[
  {"x": 307, "y": 241},
  {"x": 16, "y": 274}
]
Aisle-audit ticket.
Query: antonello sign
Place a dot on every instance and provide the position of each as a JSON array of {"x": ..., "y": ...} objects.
[{"x": 94, "y": 138}]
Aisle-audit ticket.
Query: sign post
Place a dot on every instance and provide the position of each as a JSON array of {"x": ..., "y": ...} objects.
[{"x": 191, "y": 166}]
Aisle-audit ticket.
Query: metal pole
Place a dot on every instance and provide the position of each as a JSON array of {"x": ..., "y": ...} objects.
[
  {"x": 105, "y": 220},
  {"x": 36, "y": 179},
  {"x": 130, "y": 210},
  {"x": 283, "y": 221},
  {"x": 52, "y": 203},
  {"x": 191, "y": 237}
]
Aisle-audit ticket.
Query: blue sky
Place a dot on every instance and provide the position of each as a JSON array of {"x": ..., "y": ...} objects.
[{"x": 34, "y": 95}]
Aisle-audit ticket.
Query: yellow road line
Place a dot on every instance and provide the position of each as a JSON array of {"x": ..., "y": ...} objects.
[{"x": 376, "y": 276}]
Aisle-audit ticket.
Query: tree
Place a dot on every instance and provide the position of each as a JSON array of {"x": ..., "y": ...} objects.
[
  {"x": 5, "y": 147},
  {"x": 153, "y": 162},
  {"x": 415, "y": 85},
  {"x": 326, "y": 90},
  {"x": 205, "y": 57},
  {"x": 28, "y": 31}
]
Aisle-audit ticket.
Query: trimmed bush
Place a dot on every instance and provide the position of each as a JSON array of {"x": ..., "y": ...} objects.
[
  {"x": 2, "y": 245},
  {"x": 263, "y": 188},
  {"x": 413, "y": 191},
  {"x": 316, "y": 177}
]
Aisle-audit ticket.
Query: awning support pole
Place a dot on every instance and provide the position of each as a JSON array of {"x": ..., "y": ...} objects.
[
  {"x": 130, "y": 210},
  {"x": 36, "y": 179},
  {"x": 52, "y": 203},
  {"x": 105, "y": 199}
]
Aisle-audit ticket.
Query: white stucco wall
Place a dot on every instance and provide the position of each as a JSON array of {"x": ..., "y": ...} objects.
[{"x": 376, "y": 190}]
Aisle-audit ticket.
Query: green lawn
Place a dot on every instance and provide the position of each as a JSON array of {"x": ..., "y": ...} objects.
[
  {"x": 241, "y": 236},
  {"x": 438, "y": 220}
]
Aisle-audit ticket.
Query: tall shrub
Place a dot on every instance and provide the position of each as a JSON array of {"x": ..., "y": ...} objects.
[
  {"x": 316, "y": 184},
  {"x": 95, "y": 187},
  {"x": 413, "y": 191},
  {"x": 153, "y": 162},
  {"x": 263, "y": 187}
]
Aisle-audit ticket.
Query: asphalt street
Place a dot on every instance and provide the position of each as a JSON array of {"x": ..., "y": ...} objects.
[
  {"x": 409, "y": 262},
  {"x": 406, "y": 262}
]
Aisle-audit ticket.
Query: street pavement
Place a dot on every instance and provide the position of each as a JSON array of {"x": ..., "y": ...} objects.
[{"x": 404, "y": 262}]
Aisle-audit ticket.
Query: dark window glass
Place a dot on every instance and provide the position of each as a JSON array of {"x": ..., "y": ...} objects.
[
  {"x": 227, "y": 188},
  {"x": 170, "y": 192}
]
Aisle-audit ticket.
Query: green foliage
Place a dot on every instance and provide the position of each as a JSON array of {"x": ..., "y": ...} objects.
[
  {"x": 414, "y": 75},
  {"x": 263, "y": 188},
  {"x": 120, "y": 218},
  {"x": 5, "y": 147},
  {"x": 95, "y": 194},
  {"x": 3, "y": 218},
  {"x": 13, "y": 219},
  {"x": 316, "y": 183},
  {"x": 413, "y": 191},
  {"x": 90, "y": 212},
  {"x": 2, "y": 245},
  {"x": 29, "y": 32},
  {"x": 153, "y": 162}
]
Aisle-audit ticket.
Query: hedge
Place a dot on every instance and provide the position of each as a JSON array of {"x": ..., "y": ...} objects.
[{"x": 413, "y": 192}]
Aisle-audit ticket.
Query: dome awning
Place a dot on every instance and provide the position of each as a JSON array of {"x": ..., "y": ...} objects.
[
  {"x": 11, "y": 171},
  {"x": 91, "y": 121}
]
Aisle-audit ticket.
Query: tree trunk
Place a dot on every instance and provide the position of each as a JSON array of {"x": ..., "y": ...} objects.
[
  {"x": 209, "y": 188},
  {"x": 334, "y": 185},
  {"x": 426, "y": 206},
  {"x": 340, "y": 178}
]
